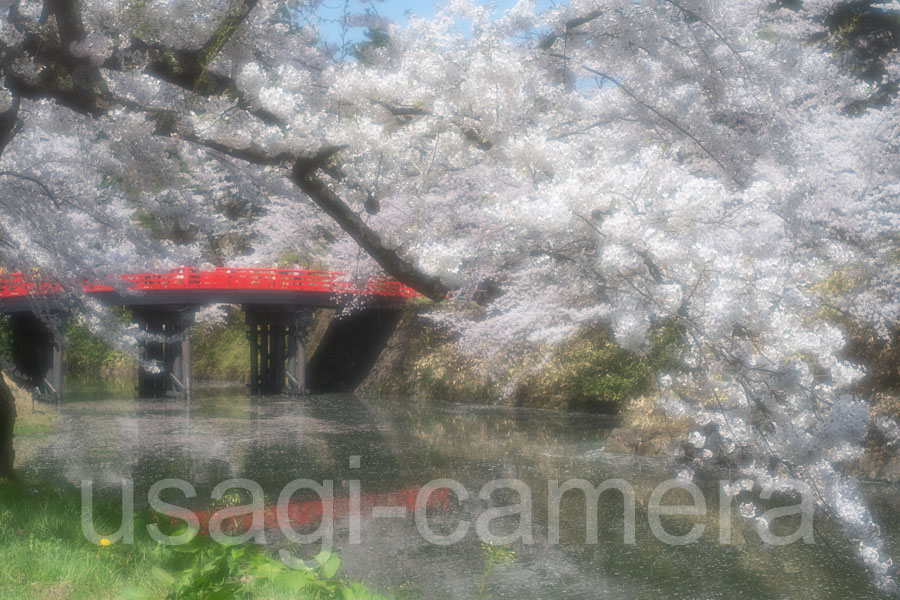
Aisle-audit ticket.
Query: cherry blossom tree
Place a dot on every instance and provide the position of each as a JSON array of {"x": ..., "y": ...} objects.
[{"x": 729, "y": 169}]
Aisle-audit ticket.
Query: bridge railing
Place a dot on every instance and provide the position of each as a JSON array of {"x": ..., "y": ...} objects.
[
  {"x": 389, "y": 287},
  {"x": 222, "y": 278},
  {"x": 16, "y": 285}
]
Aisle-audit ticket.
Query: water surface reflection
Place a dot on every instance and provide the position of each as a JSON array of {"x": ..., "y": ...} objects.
[{"x": 402, "y": 445}]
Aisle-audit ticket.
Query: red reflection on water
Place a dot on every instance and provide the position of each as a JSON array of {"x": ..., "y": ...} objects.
[{"x": 312, "y": 511}]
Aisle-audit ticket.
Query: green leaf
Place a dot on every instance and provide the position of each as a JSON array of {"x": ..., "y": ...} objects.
[
  {"x": 331, "y": 566},
  {"x": 346, "y": 593},
  {"x": 267, "y": 570},
  {"x": 226, "y": 592},
  {"x": 294, "y": 581}
]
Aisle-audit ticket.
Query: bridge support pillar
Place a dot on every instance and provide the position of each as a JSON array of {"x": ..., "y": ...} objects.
[
  {"x": 277, "y": 336},
  {"x": 38, "y": 352},
  {"x": 167, "y": 344}
]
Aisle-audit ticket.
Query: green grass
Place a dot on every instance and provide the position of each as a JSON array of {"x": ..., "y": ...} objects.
[
  {"x": 221, "y": 351},
  {"x": 591, "y": 372},
  {"x": 32, "y": 418},
  {"x": 87, "y": 355},
  {"x": 45, "y": 555},
  {"x": 28, "y": 429}
]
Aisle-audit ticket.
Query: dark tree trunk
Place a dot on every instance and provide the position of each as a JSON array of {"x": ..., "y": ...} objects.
[
  {"x": 7, "y": 422},
  {"x": 304, "y": 176}
]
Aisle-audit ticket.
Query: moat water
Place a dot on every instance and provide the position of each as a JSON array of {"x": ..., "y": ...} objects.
[{"x": 402, "y": 446}]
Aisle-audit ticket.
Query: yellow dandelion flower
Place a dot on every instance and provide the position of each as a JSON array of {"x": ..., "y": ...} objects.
[{"x": 104, "y": 542}]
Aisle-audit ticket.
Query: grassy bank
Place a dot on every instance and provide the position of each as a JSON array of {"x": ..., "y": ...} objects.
[
  {"x": 32, "y": 418},
  {"x": 46, "y": 555},
  {"x": 89, "y": 357},
  {"x": 590, "y": 372},
  {"x": 221, "y": 351}
]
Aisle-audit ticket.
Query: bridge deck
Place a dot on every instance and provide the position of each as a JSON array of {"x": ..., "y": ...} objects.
[{"x": 188, "y": 286}]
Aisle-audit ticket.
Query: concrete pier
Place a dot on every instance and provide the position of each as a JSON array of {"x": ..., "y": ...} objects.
[
  {"x": 168, "y": 345},
  {"x": 38, "y": 352},
  {"x": 277, "y": 336}
]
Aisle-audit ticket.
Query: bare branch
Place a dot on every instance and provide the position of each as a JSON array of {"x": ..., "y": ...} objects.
[
  {"x": 568, "y": 26},
  {"x": 44, "y": 188},
  {"x": 189, "y": 68},
  {"x": 629, "y": 92},
  {"x": 304, "y": 175},
  {"x": 402, "y": 110}
]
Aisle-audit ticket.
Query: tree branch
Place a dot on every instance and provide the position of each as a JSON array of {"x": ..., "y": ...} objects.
[
  {"x": 68, "y": 20},
  {"x": 8, "y": 121},
  {"x": 568, "y": 26},
  {"x": 402, "y": 110},
  {"x": 404, "y": 113},
  {"x": 49, "y": 193},
  {"x": 72, "y": 81},
  {"x": 304, "y": 175},
  {"x": 57, "y": 202},
  {"x": 189, "y": 68},
  {"x": 629, "y": 92},
  {"x": 167, "y": 125}
]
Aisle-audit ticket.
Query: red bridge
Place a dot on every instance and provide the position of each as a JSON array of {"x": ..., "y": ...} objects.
[
  {"x": 221, "y": 279},
  {"x": 277, "y": 304}
]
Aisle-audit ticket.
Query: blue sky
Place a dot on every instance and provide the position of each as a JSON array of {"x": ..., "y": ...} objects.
[{"x": 397, "y": 10}]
